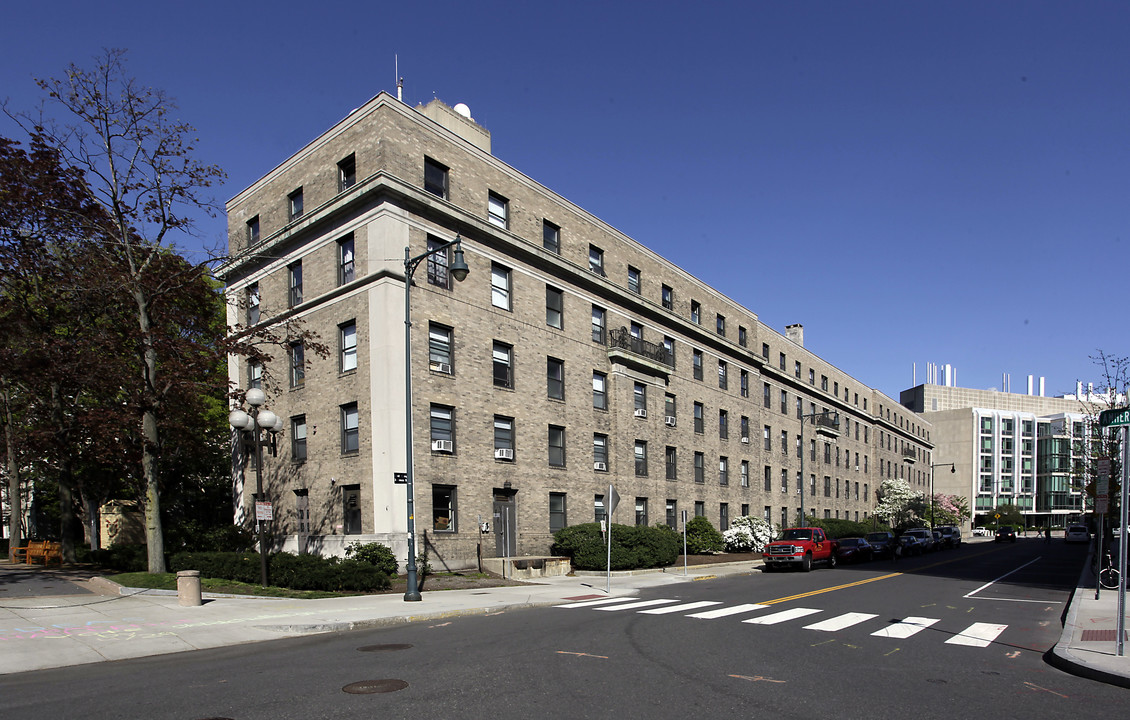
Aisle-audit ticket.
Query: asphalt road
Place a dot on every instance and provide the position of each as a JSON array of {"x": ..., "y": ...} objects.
[{"x": 955, "y": 634}]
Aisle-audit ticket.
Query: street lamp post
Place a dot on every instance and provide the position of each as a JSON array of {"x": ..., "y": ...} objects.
[
  {"x": 252, "y": 422},
  {"x": 835, "y": 425},
  {"x": 953, "y": 469},
  {"x": 458, "y": 270}
]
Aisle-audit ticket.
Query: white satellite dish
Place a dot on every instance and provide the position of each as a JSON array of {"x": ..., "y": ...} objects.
[{"x": 463, "y": 110}]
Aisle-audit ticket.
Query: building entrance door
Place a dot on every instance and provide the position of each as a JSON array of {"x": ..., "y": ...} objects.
[
  {"x": 351, "y": 509},
  {"x": 505, "y": 525}
]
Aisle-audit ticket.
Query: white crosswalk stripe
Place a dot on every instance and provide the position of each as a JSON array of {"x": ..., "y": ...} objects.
[
  {"x": 977, "y": 635},
  {"x": 906, "y": 628},
  {"x": 783, "y": 616},
  {"x": 726, "y": 611},
  {"x": 840, "y": 622},
  {"x": 680, "y": 608}
]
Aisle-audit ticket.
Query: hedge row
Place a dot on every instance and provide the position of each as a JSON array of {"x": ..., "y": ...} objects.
[
  {"x": 298, "y": 572},
  {"x": 632, "y": 546}
]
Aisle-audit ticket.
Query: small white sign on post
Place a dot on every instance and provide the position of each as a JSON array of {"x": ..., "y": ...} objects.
[{"x": 264, "y": 511}]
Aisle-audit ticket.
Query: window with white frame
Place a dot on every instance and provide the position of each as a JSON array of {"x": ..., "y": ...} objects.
[
  {"x": 438, "y": 263},
  {"x": 551, "y": 237},
  {"x": 346, "y": 268},
  {"x": 347, "y": 335},
  {"x": 350, "y": 431},
  {"x": 297, "y": 353},
  {"x": 443, "y": 508},
  {"x": 556, "y": 446},
  {"x": 555, "y": 378},
  {"x": 599, "y": 320},
  {"x": 298, "y": 438},
  {"x": 554, "y": 307},
  {"x": 599, "y": 390},
  {"x": 442, "y": 426},
  {"x": 600, "y": 452},
  {"x": 503, "y": 361},
  {"x": 500, "y": 286},
  {"x": 440, "y": 343},
  {"x": 498, "y": 210}
]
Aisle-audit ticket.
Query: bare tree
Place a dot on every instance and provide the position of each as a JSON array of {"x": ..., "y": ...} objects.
[{"x": 139, "y": 166}]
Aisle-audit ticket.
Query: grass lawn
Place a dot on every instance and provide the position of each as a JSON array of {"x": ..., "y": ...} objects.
[{"x": 168, "y": 581}]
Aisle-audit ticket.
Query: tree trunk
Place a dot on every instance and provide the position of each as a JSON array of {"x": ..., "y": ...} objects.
[
  {"x": 15, "y": 504},
  {"x": 67, "y": 516},
  {"x": 150, "y": 438},
  {"x": 92, "y": 513}
]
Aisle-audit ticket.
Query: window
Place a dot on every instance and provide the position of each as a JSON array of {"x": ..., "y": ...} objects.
[
  {"x": 254, "y": 374},
  {"x": 298, "y": 438},
  {"x": 345, "y": 264},
  {"x": 347, "y": 336},
  {"x": 744, "y": 470},
  {"x": 699, "y": 420},
  {"x": 811, "y": 376},
  {"x": 765, "y": 350},
  {"x": 253, "y": 231},
  {"x": 784, "y": 442},
  {"x": 696, "y": 358},
  {"x": 827, "y": 486},
  {"x": 641, "y": 512},
  {"x": 550, "y": 237},
  {"x": 435, "y": 178},
  {"x": 671, "y": 458},
  {"x": 781, "y": 362},
  {"x": 294, "y": 204},
  {"x": 639, "y": 399},
  {"x": 443, "y": 508},
  {"x": 724, "y": 516},
  {"x": 294, "y": 271},
  {"x": 555, "y": 378},
  {"x": 836, "y": 389},
  {"x": 556, "y": 512},
  {"x": 784, "y": 480},
  {"x": 743, "y": 381},
  {"x": 641, "y": 458},
  {"x": 669, "y": 408},
  {"x": 598, "y": 323},
  {"x": 503, "y": 438},
  {"x": 699, "y": 508},
  {"x": 742, "y": 338},
  {"x": 799, "y": 408},
  {"x": 824, "y": 383},
  {"x": 672, "y": 511},
  {"x": 556, "y": 446},
  {"x": 498, "y": 210},
  {"x": 599, "y": 390},
  {"x": 598, "y": 508},
  {"x": 503, "y": 356},
  {"x": 796, "y": 368},
  {"x": 636, "y": 330},
  {"x": 600, "y": 452},
  {"x": 443, "y": 428},
  {"x": 253, "y": 304},
  {"x": 767, "y": 479},
  {"x": 696, "y": 312},
  {"x": 827, "y": 453},
  {"x": 699, "y": 467},
  {"x": 766, "y": 437},
  {"x": 784, "y": 402},
  {"x": 723, "y": 375},
  {"x": 766, "y": 395},
  {"x": 349, "y": 429},
  {"x": 723, "y": 470},
  {"x": 596, "y": 260},
  {"x": 500, "y": 286},
  {"x": 440, "y": 357},
  {"x": 438, "y": 263},
  {"x": 554, "y": 307},
  {"x": 347, "y": 173},
  {"x": 667, "y": 297},
  {"x": 634, "y": 280},
  {"x": 297, "y": 353},
  {"x": 723, "y": 424},
  {"x": 745, "y": 429},
  {"x": 720, "y": 325}
]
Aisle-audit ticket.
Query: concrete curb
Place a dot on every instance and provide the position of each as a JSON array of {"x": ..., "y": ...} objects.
[{"x": 384, "y": 622}]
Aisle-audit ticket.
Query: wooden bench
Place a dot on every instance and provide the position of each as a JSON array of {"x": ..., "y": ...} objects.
[
  {"x": 45, "y": 552},
  {"x": 19, "y": 553}
]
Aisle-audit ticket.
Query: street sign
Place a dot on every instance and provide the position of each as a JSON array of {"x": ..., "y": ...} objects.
[
  {"x": 400, "y": 478},
  {"x": 264, "y": 511},
  {"x": 1118, "y": 417}
]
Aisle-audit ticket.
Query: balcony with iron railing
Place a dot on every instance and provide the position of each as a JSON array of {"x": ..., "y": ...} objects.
[
  {"x": 910, "y": 454},
  {"x": 827, "y": 424},
  {"x": 628, "y": 349}
]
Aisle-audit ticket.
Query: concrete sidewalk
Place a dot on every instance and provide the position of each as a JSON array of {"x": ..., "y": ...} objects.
[{"x": 114, "y": 623}]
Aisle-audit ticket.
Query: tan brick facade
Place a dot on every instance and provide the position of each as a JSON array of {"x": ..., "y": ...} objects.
[{"x": 388, "y": 208}]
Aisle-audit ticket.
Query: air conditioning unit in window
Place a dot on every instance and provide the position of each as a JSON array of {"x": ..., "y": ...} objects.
[
  {"x": 641, "y": 412},
  {"x": 669, "y": 420},
  {"x": 443, "y": 445},
  {"x": 600, "y": 466},
  {"x": 444, "y": 368},
  {"x": 745, "y": 441},
  {"x": 503, "y": 454}
]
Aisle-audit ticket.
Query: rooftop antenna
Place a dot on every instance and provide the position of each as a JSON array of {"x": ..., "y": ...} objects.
[{"x": 399, "y": 80}]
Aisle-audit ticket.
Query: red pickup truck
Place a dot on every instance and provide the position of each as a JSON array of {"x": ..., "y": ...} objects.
[{"x": 801, "y": 547}]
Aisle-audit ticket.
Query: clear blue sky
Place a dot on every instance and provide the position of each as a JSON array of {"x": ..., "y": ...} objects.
[{"x": 912, "y": 181}]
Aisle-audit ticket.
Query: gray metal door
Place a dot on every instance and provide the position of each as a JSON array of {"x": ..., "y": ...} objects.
[{"x": 505, "y": 530}]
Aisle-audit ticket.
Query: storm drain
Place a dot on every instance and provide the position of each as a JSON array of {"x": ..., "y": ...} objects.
[
  {"x": 369, "y": 687},
  {"x": 384, "y": 648}
]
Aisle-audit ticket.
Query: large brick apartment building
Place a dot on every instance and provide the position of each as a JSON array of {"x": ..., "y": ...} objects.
[{"x": 570, "y": 358}]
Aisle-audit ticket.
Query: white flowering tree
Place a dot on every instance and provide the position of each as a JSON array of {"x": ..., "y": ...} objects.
[
  {"x": 748, "y": 534},
  {"x": 897, "y": 503}
]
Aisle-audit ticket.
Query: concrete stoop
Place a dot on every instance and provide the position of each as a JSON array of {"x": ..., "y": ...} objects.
[{"x": 527, "y": 567}]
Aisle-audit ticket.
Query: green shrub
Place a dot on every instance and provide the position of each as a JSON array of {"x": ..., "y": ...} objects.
[
  {"x": 702, "y": 538},
  {"x": 375, "y": 554},
  {"x": 298, "y": 572},
  {"x": 633, "y": 547},
  {"x": 123, "y": 558}
]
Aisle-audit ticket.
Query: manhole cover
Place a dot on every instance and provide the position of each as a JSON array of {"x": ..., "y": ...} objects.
[
  {"x": 384, "y": 648},
  {"x": 367, "y": 687}
]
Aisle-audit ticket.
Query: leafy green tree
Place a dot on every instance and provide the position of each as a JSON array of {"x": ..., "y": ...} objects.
[{"x": 897, "y": 503}]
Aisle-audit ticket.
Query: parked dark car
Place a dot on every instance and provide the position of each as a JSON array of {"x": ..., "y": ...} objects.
[
  {"x": 882, "y": 543},
  {"x": 854, "y": 550},
  {"x": 923, "y": 537},
  {"x": 1005, "y": 532},
  {"x": 911, "y": 545},
  {"x": 951, "y": 536}
]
